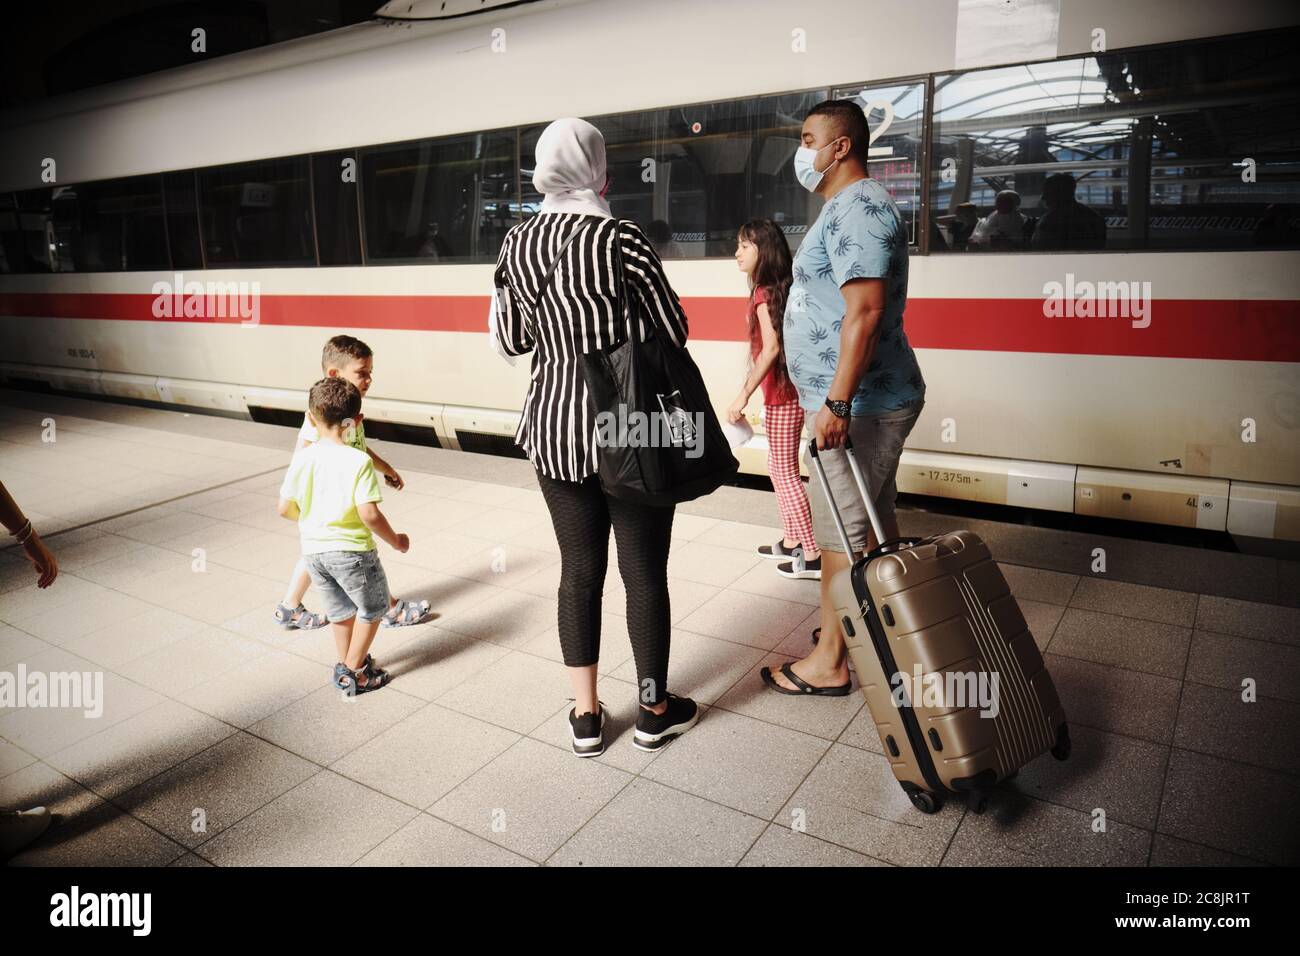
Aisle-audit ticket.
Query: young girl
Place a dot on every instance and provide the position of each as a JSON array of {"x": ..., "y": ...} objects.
[{"x": 764, "y": 256}]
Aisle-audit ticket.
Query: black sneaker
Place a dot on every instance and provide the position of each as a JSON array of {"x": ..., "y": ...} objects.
[
  {"x": 778, "y": 551},
  {"x": 801, "y": 567},
  {"x": 654, "y": 730},
  {"x": 588, "y": 732}
]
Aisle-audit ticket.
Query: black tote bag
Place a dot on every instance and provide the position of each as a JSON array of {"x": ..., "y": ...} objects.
[{"x": 681, "y": 452}]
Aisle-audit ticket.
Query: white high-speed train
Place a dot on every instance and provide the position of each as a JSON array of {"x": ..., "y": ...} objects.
[{"x": 360, "y": 180}]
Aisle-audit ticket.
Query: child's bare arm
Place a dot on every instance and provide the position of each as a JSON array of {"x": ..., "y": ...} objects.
[
  {"x": 288, "y": 509},
  {"x": 374, "y": 519},
  {"x": 388, "y": 471}
]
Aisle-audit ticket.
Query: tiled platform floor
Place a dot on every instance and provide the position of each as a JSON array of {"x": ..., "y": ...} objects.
[{"x": 220, "y": 742}]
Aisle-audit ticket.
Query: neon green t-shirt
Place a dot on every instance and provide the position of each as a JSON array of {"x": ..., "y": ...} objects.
[
  {"x": 328, "y": 481},
  {"x": 356, "y": 437}
]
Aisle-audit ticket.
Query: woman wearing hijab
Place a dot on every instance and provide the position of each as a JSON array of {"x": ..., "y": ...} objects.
[{"x": 576, "y": 314}]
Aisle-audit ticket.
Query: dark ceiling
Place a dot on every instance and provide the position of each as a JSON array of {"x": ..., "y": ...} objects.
[{"x": 52, "y": 48}]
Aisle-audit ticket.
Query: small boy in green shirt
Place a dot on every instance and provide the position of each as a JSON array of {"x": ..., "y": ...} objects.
[
  {"x": 350, "y": 359},
  {"x": 331, "y": 489}
]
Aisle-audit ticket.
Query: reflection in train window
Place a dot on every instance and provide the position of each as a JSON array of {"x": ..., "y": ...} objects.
[
  {"x": 1225, "y": 142},
  {"x": 439, "y": 200},
  {"x": 35, "y": 248},
  {"x": 12, "y": 255},
  {"x": 257, "y": 214},
  {"x": 894, "y": 116},
  {"x": 338, "y": 231},
  {"x": 95, "y": 226},
  {"x": 1125, "y": 150},
  {"x": 691, "y": 176},
  {"x": 182, "y": 220}
]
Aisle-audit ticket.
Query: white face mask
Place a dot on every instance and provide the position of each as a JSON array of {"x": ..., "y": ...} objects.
[{"x": 809, "y": 177}]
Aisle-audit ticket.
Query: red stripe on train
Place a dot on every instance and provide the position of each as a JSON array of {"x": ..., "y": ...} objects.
[{"x": 1247, "y": 330}]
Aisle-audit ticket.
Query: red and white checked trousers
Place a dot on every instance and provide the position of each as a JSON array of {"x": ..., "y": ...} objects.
[{"x": 784, "y": 424}]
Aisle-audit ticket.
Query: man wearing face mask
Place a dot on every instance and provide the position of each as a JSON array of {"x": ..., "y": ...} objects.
[{"x": 849, "y": 358}]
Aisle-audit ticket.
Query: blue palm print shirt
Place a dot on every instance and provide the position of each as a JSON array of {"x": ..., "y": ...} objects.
[{"x": 860, "y": 234}]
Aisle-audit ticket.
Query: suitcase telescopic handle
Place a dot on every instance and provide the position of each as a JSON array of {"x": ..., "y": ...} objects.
[{"x": 862, "y": 490}]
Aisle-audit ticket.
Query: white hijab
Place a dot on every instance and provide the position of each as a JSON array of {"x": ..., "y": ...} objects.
[
  {"x": 570, "y": 174},
  {"x": 571, "y": 168}
]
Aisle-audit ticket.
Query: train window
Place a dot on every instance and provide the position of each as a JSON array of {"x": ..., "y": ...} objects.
[
  {"x": 111, "y": 226},
  {"x": 1225, "y": 142},
  {"x": 450, "y": 199},
  {"x": 36, "y": 246},
  {"x": 894, "y": 116},
  {"x": 1189, "y": 146},
  {"x": 257, "y": 214},
  {"x": 182, "y": 220},
  {"x": 692, "y": 175},
  {"x": 1029, "y": 157},
  {"x": 334, "y": 191},
  {"x": 11, "y": 237}
]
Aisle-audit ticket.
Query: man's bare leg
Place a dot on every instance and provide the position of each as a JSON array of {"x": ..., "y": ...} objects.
[{"x": 827, "y": 665}]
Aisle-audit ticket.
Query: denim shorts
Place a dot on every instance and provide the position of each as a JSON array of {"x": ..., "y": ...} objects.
[
  {"x": 877, "y": 445},
  {"x": 351, "y": 583}
]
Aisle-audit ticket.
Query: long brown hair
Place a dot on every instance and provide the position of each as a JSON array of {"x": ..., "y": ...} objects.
[{"x": 773, "y": 272}]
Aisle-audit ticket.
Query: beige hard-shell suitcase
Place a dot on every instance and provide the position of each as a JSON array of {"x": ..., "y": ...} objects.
[{"x": 952, "y": 677}]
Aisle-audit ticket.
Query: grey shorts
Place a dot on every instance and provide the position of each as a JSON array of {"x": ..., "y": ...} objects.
[
  {"x": 350, "y": 582},
  {"x": 877, "y": 444}
]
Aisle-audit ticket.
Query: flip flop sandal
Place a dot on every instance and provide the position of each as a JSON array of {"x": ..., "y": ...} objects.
[
  {"x": 805, "y": 689},
  {"x": 405, "y": 612},
  {"x": 305, "y": 621},
  {"x": 817, "y": 634}
]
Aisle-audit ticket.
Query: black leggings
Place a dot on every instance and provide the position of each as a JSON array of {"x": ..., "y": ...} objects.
[{"x": 582, "y": 515}]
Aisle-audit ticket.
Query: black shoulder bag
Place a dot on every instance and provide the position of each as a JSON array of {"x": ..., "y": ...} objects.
[{"x": 658, "y": 440}]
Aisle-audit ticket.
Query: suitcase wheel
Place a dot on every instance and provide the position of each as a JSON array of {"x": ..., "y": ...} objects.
[
  {"x": 926, "y": 802},
  {"x": 1061, "y": 751},
  {"x": 977, "y": 800}
]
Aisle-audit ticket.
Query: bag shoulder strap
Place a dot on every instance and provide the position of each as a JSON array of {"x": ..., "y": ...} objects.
[{"x": 626, "y": 313}]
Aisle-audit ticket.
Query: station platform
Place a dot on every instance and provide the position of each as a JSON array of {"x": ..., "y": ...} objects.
[{"x": 221, "y": 743}]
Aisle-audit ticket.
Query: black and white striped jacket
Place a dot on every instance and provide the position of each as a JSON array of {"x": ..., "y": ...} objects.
[{"x": 575, "y": 316}]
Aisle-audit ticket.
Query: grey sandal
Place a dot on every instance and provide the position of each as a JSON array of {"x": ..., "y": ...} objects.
[
  {"x": 352, "y": 682},
  {"x": 298, "y": 617},
  {"x": 405, "y": 612}
]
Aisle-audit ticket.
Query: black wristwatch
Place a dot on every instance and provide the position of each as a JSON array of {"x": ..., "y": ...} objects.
[{"x": 838, "y": 409}]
